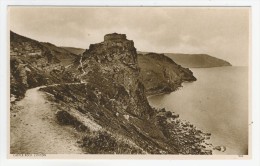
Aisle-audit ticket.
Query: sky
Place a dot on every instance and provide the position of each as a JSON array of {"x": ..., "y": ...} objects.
[{"x": 218, "y": 31}]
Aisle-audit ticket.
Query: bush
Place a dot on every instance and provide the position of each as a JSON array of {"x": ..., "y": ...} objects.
[{"x": 66, "y": 119}]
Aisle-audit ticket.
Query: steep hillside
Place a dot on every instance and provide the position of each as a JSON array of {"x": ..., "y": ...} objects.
[
  {"x": 111, "y": 107},
  {"x": 160, "y": 74},
  {"x": 33, "y": 64}
]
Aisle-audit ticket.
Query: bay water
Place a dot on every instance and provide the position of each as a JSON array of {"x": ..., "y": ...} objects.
[{"x": 216, "y": 103}]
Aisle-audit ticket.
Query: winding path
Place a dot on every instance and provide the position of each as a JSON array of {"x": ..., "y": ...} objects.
[{"x": 34, "y": 129}]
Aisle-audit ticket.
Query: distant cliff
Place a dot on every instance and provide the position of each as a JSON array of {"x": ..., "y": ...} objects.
[{"x": 195, "y": 60}]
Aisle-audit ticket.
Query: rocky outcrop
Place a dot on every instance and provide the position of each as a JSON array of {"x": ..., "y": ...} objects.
[
  {"x": 111, "y": 66},
  {"x": 160, "y": 74}
]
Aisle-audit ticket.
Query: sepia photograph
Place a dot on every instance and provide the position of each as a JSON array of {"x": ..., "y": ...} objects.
[{"x": 138, "y": 81}]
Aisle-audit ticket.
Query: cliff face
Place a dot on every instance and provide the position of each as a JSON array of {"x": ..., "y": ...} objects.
[
  {"x": 112, "y": 67},
  {"x": 160, "y": 74}
]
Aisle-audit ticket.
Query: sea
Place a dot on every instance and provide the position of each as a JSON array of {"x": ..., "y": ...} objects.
[{"x": 218, "y": 103}]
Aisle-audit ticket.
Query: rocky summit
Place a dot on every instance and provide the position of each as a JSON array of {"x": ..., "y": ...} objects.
[{"x": 112, "y": 66}]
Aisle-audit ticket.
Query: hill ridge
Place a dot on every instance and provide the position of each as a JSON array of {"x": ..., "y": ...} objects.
[{"x": 195, "y": 60}]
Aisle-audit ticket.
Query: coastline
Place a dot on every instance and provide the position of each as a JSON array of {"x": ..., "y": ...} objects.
[{"x": 200, "y": 110}]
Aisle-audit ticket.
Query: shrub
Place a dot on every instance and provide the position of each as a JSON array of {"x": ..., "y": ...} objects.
[{"x": 66, "y": 119}]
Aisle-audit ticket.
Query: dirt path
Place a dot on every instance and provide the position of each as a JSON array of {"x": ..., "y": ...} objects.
[{"x": 34, "y": 129}]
